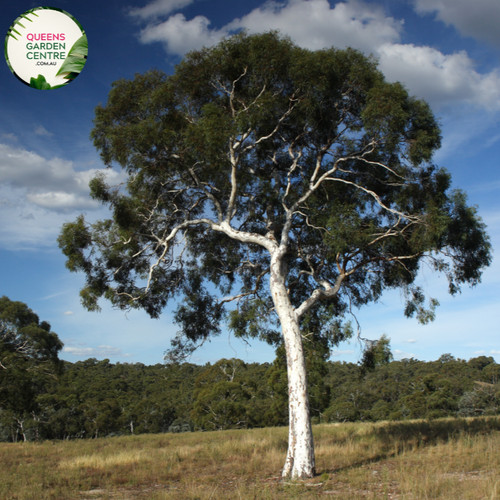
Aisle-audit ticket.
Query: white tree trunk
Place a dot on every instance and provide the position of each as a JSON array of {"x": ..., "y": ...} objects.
[{"x": 300, "y": 461}]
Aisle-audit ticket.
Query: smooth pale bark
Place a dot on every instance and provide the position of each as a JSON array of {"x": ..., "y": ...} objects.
[{"x": 300, "y": 462}]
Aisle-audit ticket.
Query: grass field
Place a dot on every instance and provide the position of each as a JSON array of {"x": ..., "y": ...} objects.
[{"x": 439, "y": 459}]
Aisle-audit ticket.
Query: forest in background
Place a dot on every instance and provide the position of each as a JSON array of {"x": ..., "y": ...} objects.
[
  {"x": 43, "y": 397},
  {"x": 94, "y": 398}
]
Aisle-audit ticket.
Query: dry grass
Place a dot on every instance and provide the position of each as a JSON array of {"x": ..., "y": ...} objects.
[{"x": 441, "y": 459}]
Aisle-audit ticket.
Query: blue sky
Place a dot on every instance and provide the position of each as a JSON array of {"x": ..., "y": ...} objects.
[{"x": 445, "y": 51}]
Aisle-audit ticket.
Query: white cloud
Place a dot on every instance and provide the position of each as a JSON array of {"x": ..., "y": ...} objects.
[
  {"x": 311, "y": 23},
  {"x": 478, "y": 19},
  {"x": 18, "y": 232},
  {"x": 159, "y": 7},
  {"x": 40, "y": 130},
  {"x": 60, "y": 201},
  {"x": 314, "y": 24},
  {"x": 410, "y": 341},
  {"x": 402, "y": 354},
  {"x": 494, "y": 352},
  {"x": 38, "y": 194},
  {"x": 51, "y": 296},
  {"x": 52, "y": 184},
  {"x": 180, "y": 36},
  {"x": 68, "y": 313},
  {"x": 92, "y": 352},
  {"x": 440, "y": 79}
]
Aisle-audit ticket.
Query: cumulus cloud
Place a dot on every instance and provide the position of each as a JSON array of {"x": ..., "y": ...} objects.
[
  {"x": 26, "y": 226},
  {"x": 68, "y": 313},
  {"x": 314, "y": 24},
  {"x": 94, "y": 352},
  {"x": 478, "y": 20},
  {"x": 410, "y": 341},
  {"x": 38, "y": 194},
  {"x": 159, "y": 7},
  {"x": 180, "y": 36},
  {"x": 51, "y": 184},
  {"x": 60, "y": 201},
  {"x": 440, "y": 79}
]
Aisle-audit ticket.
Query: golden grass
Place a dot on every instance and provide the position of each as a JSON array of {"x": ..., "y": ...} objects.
[
  {"x": 441, "y": 459},
  {"x": 99, "y": 461}
]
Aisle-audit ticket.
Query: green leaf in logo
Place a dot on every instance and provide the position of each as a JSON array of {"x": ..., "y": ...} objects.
[
  {"x": 76, "y": 59},
  {"x": 81, "y": 47},
  {"x": 39, "y": 83}
]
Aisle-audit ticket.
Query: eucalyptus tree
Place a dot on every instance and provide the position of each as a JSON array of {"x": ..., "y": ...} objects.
[
  {"x": 23, "y": 338},
  {"x": 28, "y": 360},
  {"x": 276, "y": 188}
]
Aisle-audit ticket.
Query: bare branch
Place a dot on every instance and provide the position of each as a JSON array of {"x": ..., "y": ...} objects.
[
  {"x": 376, "y": 197},
  {"x": 295, "y": 162},
  {"x": 246, "y": 108},
  {"x": 209, "y": 195},
  {"x": 329, "y": 291},
  {"x": 223, "y": 227},
  {"x": 246, "y": 294},
  {"x": 292, "y": 105},
  {"x": 231, "y": 95},
  {"x": 231, "y": 209},
  {"x": 383, "y": 165},
  {"x": 398, "y": 258},
  {"x": 308, "y": 223}
]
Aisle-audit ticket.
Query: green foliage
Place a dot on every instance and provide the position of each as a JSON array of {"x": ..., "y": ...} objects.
[
  {"x": 313, "y": 150},
  {"x": 28, "y": 361},
  {"x": 24, "y": 337},
  {"x": 376, "y": 353},
  {"x": 41, "y": 84},
  {"x": 92, "y": 398},
  {"x": 76, "y": 59},
  {"x": 260, "y": 164},
  {"x": 408, "y": 389}
]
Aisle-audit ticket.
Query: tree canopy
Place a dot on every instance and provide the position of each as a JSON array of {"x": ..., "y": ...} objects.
[
  {"x": 24, "y": 337},
  {"x": 273, "y": 187},
  {"x": 28, "y": 357}
]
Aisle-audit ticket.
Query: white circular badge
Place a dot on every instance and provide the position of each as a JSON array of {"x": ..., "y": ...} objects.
[{"x": 46, "y": 48}]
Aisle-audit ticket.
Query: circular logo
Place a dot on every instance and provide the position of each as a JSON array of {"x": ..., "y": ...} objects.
[{"x": 46, "y": 48}]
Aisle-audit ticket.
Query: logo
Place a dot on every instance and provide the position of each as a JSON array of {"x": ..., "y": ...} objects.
[{"x": 46, "y": 48}]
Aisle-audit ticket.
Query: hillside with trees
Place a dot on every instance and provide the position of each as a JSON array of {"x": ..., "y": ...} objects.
[{"x": 42, "y": 397}]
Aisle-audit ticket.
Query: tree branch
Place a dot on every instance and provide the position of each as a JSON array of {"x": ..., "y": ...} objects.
[
  {"x": 328, "y": 292},
  {"x": 209, "y": 195}
]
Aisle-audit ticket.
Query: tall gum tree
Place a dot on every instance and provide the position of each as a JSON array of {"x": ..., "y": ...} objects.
[{"x": 295, "y": 184}]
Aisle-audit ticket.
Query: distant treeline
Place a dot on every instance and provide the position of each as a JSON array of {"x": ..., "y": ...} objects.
[{"x": 94, "y": 398}]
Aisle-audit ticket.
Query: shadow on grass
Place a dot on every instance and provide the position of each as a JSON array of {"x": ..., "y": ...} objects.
[
  {"x": 430, "y": 432},
  {"x": 396, "y": 437}
]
